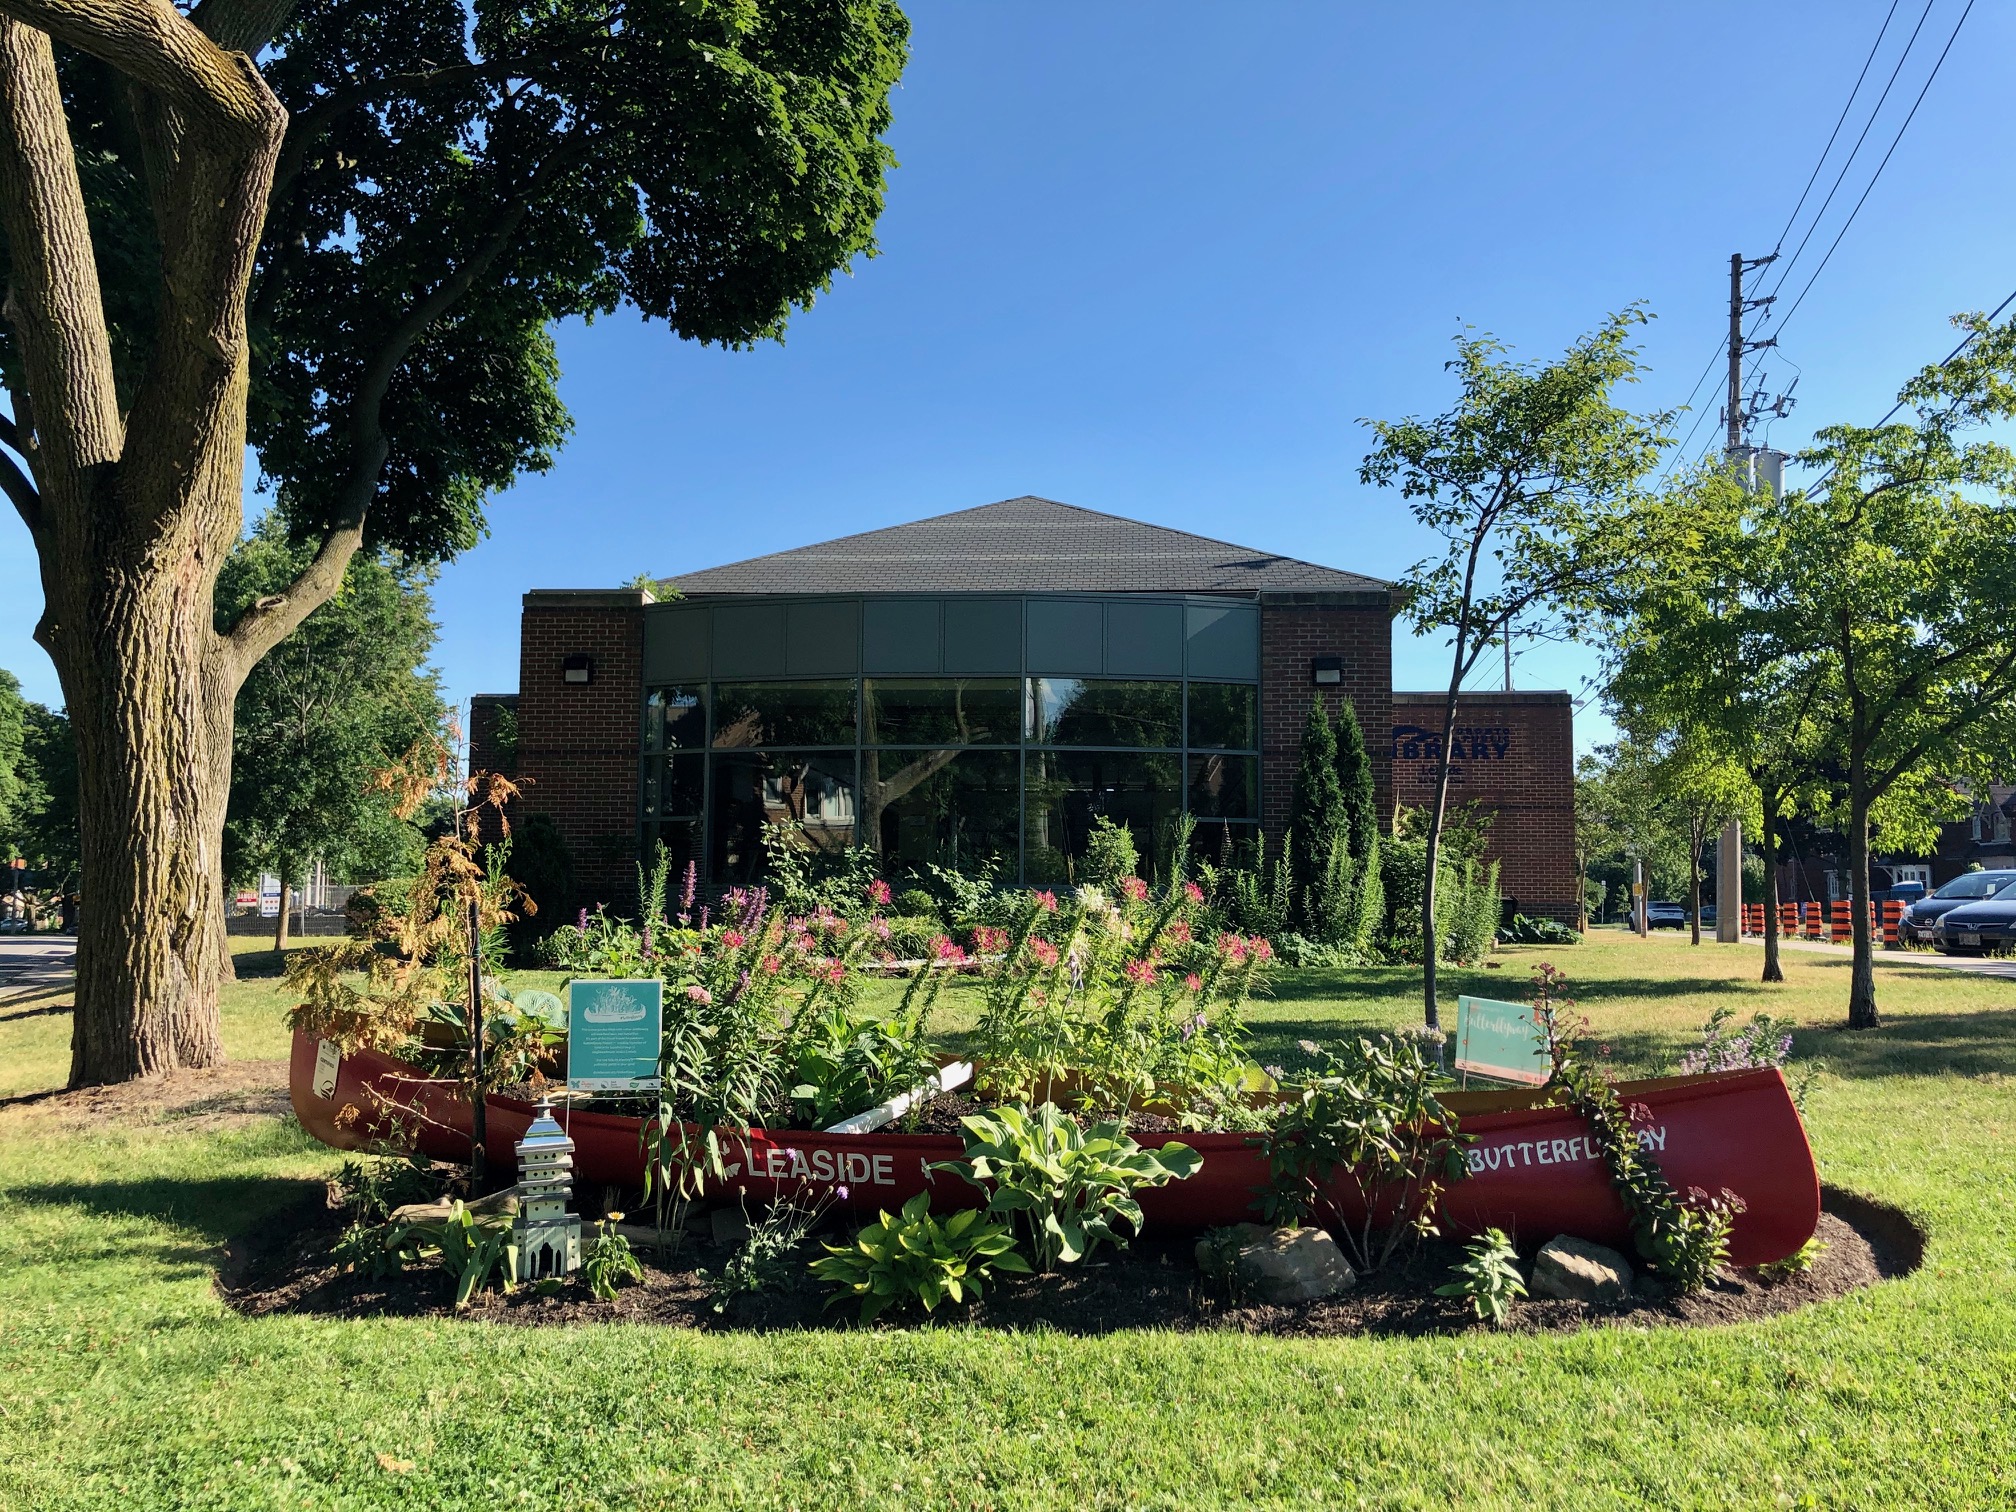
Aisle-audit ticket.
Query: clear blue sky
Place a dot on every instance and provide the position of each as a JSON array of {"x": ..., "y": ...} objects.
[{"x": 1159, "y": 259}]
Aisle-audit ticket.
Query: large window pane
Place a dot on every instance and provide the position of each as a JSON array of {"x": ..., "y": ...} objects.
[
  {"x": 1225, "y": 787},
  {"x": 674, "y": 786},
  {"x": 675, "y": 719},
  {"x": 1226, "y": 843},
  {"x": 941, "y": 711},
  {"x": 1225, "y": 716},
  {"x": 784, "y": 713},
  {"x": 944, "y": 807},
  {"x": 812, "y": 792},
  {"x": 681, "y": 839},
  {"x": 1067, "y": 790},
  {"x": 1075, "y": 711}
]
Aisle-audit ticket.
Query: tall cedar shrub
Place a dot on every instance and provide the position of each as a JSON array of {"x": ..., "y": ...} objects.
[
  {"x": 1366, "y": 906},
  {"x": 1317, "y": 819}
]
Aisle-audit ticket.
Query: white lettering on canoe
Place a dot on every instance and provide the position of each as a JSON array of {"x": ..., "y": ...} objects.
[{"x": 1514, "y": 1154}]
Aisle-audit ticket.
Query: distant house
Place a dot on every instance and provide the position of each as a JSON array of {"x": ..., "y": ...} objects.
[{"x": 1984, "y": 840}]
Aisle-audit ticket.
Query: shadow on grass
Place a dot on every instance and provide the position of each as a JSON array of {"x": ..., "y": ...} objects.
[
  {"x": 1920, "y": 1044},
  {"x": 218, "y": 1207},
  {"x": 27, "y": 1013},
  {"x": 258, "y": 965}
]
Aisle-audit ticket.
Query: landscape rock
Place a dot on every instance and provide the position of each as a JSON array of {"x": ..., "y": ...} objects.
[
  {"x": 731, "y": 1226},
  {"x": 1278, "y": 1265},
  {"x": 1575, "y": 1270}
]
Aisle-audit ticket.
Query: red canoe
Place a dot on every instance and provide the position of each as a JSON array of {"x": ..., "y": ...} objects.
[{"x": 1534, "y": 1170}]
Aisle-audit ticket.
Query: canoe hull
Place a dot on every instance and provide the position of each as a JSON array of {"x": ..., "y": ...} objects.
[{"x": 1534, "y": 1171}]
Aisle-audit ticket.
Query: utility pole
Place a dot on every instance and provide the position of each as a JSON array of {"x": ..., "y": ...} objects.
[{"x": 1733, "y": 449}]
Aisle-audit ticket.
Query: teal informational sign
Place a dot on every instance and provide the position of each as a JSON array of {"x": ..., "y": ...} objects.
[
  {"x": 1501, "y": 1040},
  {"x": 613, "y": 1033}
]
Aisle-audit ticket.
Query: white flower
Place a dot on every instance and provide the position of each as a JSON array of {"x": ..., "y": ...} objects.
[{"x": 1092, "y": 900}]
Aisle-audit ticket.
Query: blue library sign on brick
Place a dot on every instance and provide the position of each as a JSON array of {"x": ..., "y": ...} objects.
[{"x": 613, "y": 1034}]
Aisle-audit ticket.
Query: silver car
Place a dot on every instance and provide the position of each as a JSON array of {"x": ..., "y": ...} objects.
[{"x": 1921, "y": 920}]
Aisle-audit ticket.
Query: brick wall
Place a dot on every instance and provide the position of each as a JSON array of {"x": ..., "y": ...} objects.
[
  {"x": 486, "y": 749},
  {"x": 1294, "y": 629},
  {"x": 1517, "y": 758},
  {"x": 578, "y": 745}
]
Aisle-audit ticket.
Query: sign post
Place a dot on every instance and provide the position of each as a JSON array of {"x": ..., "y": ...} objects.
[
  {"x": 1504, "y": 1041},
  {"x": 614, "y": 1031}
]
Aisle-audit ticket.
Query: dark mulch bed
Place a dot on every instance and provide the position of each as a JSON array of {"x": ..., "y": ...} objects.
[{"x": 1152, "y": 1285}]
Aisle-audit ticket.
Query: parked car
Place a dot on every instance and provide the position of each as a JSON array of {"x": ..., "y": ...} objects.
[
  {"x": 1921, "y": 919},
  {"x": 1665, "y": 916},
  {"x": 1980, "y": 928}
]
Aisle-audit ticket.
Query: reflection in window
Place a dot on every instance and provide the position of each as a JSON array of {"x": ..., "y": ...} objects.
[
  {"x": 675, "y": 719},
  {"x": 1226, "y": 843},
  {"x": 943, "y": 807},
  {"x": 681, "y": 839},
  {"x": 1225, "y": 716},
  {"x": 784, "y": 713},
  {"x": 674, "y": 786},
  {"x": 811, "y": 792},
  {"x": 941, "y": 711},
  {"x": 1074, "y": 711},
  {"x": 1225, "y": 787},
  {"x": 1067, "y": 790}
]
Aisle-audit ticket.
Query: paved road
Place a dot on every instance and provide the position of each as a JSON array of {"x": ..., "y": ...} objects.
[
  {"x": 32, "y": 964},
  {"x": 1995, "y": 966}
]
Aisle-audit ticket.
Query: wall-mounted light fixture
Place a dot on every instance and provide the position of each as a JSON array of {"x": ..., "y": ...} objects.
[
  {"x": 1326, "y": 671},
  {"x": 578, "y": 669}
]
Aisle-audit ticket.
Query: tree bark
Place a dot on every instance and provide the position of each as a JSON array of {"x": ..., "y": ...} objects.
[
  {"x": 280, "y": 927},
  {"x": 1862, "y": 984},
  {"x": 1767, "y": 843},
  {"x": 135, "y": 506},
  {"x": 1694, "y": 843}
]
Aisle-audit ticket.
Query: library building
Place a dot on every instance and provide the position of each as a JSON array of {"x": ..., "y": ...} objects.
[{"x": 980, "y": 687}]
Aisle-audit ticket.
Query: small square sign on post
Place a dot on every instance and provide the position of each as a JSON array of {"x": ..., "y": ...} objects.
[
  {"x": 1503, "y": 1041},
  {"x": 613, "y": 1034}
]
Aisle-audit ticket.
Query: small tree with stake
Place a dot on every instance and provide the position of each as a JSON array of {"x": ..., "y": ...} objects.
[{"x": 1527, "y": 478}]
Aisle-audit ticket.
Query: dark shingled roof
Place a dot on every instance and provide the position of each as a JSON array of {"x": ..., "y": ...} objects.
[{"x": 1025, "y": 545}]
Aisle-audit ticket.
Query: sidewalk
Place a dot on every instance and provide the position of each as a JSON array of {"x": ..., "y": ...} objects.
[
  {"x": 35, "y": 964},
  {"x": 1995, "y": 966}
]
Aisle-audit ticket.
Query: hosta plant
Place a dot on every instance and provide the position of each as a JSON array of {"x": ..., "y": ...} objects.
[
  {"x": 1487, "y": 1277},
  {"x": 1068, "y": 1187},
  {"x": 918, "y": 1258}
]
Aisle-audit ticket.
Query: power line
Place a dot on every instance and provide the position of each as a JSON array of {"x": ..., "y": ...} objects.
[
  {"x": 1783, "y": 319},
  {"x": 1785, "y": 272},
  {"x": 1839, "y": 121}
]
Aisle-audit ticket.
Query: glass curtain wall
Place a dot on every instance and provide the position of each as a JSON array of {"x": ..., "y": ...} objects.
[{"x": 957, "y": 772}]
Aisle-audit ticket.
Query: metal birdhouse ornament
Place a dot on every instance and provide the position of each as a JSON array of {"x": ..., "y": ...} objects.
[{"x": 548, "y": 1236}]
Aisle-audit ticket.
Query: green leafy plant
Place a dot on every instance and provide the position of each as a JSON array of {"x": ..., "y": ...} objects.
[
  {"x": 764, "y": 1259},
  {"x": 609, "y": 1259},
  {"x": 1686, "y": 1237},
  {"x": 1110, "y": 854},
  {"x": 372, "y": 1185},
  {"x": 376, "y": 1250},
  {"x": 1371, "y": 1120},
  {"x": 844, "y": 1060},
  {"x": 1799, "y": 1263},
  {"x": 1487, "y": 1277},
  {"x": 1069, "y": 1187},
  {"x": 1529, "y": 931},
  {"x": 917, "y": 1258},
  {"x": 473, "y": 1250}
]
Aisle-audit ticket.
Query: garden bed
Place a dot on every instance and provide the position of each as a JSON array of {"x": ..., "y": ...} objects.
[{"x": 1153, "y": 1285}]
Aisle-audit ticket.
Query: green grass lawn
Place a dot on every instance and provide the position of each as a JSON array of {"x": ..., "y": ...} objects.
[{"x": 128, "y": 1384}]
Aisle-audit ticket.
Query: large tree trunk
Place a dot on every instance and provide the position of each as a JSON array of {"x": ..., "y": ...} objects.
[
  {"x": 150, "y": 686},
  {"x": 1862, "y": 985},
  {"x": 1695, "y": 841},
  {"x": 1767, "y": 842},
  {"x": 280, "y": 925}
]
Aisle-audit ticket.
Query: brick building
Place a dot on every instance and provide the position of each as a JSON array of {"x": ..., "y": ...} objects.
[
  {"x": 1514, "y": 754},
  {"x": 980, "y": 684}
]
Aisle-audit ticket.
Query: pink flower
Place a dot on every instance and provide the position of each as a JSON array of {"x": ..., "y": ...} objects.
[
  {"x": 878, "y": 891},
  {"x": 733, "y": 938},
  {"x": 1262, "y": 951},
  {"x": 699, "y": 994},
  {"x": 833, "y": 972},
  {"x": 881, "y": 927},
  {"x": 1133, "y": 889},
  {"x": 1232, "y": 947},
  {"x": 1141, "y": 973},
  {"x": 1045, "y": 953},
  {"x": 987, "y": 939},
  {"x": 1179, "y": 931},
  {"x": 1194, "y": 982},
  {"x": 1047, "y": 901},
  {"x": 771, "y": 965},
  {"x": 1193, "y": 892},
  {"x": 946, "y": 951}
]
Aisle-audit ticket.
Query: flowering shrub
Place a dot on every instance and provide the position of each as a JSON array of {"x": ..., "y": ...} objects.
[{"x": 1110, "y": 999}]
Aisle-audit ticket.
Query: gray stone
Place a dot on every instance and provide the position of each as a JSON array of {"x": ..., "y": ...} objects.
[
  {"x": 1575, "y": 1270},
  {"x": 1277, "y": 1265},
  {"x": 731, "y": 1226}
]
